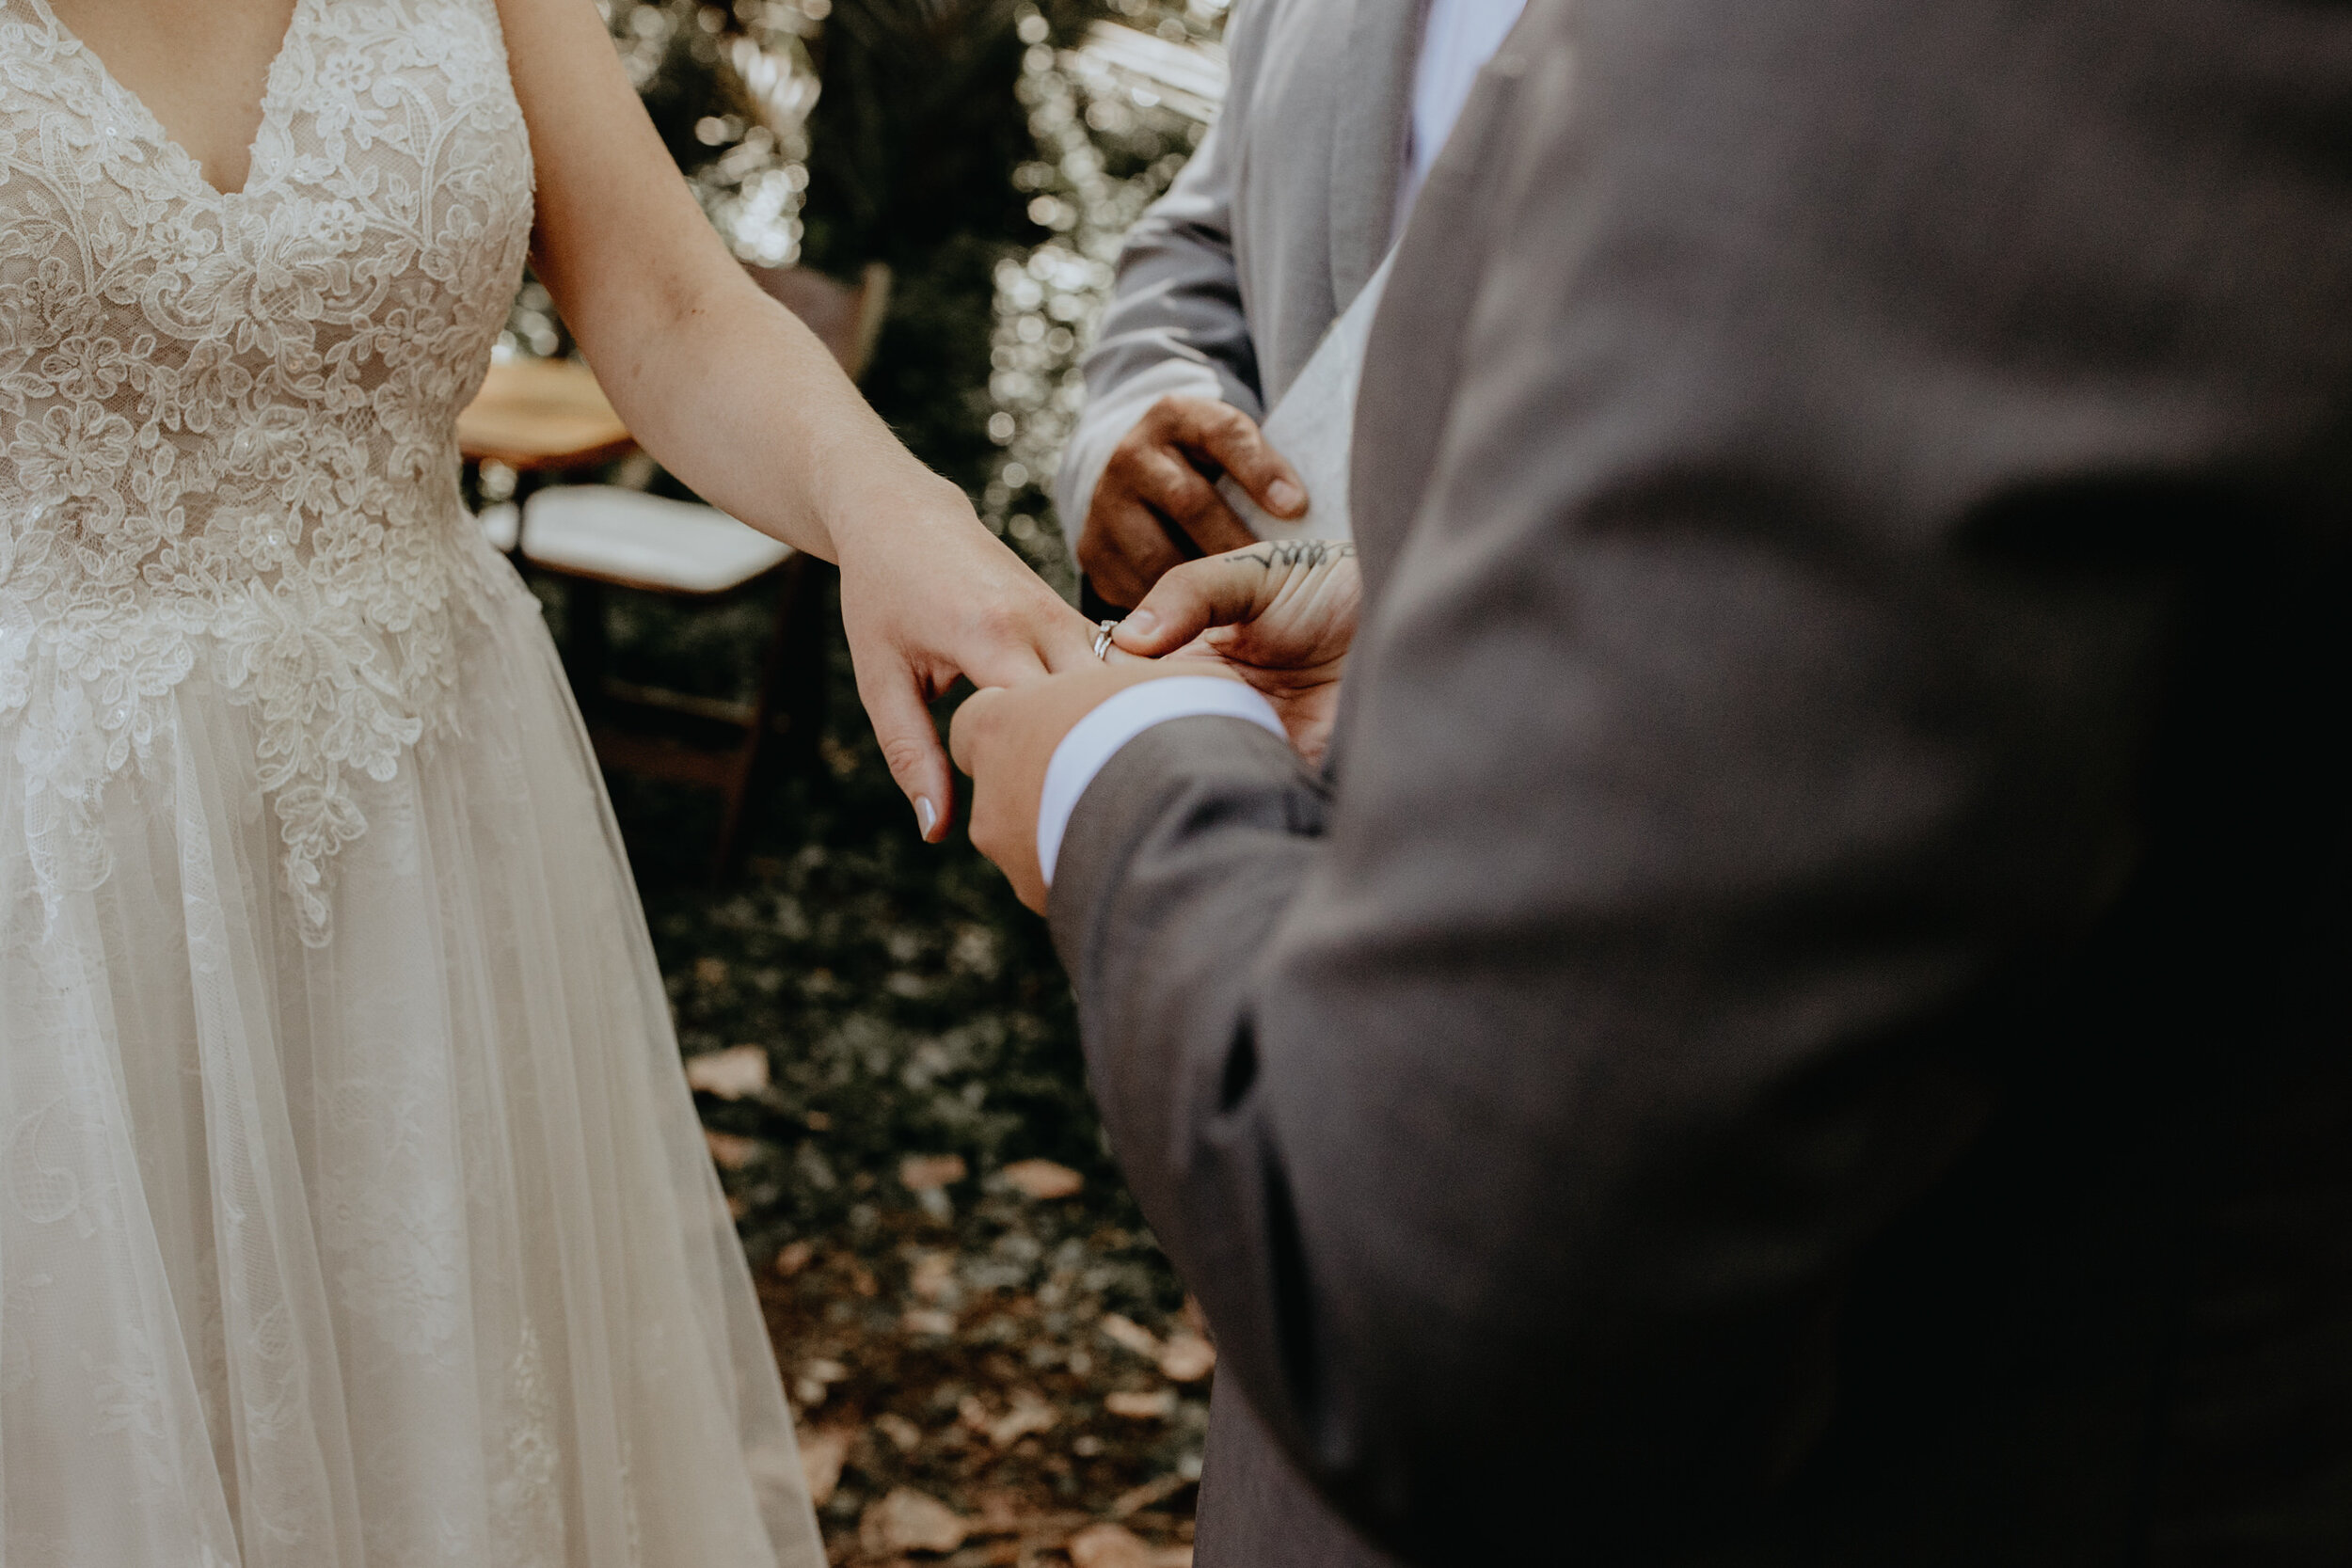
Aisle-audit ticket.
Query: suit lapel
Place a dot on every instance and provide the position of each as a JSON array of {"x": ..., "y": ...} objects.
[
  {"x": 1368, "y": 149},
  {"x": 1411, "y": 362}
]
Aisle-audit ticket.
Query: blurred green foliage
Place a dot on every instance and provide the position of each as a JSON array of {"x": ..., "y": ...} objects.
[{"x": 912, "y": 148}]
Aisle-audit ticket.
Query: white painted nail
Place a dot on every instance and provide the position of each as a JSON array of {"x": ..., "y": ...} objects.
[{"x": 926, "y": 814}]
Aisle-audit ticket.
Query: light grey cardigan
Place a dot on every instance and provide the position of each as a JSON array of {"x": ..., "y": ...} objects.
[{"x": 1231, "y": 280}]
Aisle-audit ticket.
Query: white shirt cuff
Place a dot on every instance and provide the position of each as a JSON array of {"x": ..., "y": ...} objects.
[{"x": 1093, "y": 740}]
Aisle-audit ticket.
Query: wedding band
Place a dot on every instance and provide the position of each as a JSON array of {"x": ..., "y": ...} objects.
[{"x": 1103, "y": 639}]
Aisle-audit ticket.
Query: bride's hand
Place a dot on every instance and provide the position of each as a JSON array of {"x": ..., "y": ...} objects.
[
  {"x": 1281, "y": 616},
  {"x": 926, "y": 594},
  {"x": 734, "y": 394}
]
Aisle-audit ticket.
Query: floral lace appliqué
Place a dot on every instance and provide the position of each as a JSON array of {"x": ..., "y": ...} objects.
[{"x": 227, "y": 422}]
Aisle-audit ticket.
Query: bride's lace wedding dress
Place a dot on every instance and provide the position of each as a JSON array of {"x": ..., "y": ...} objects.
[{"x": 353, "y": 1211}]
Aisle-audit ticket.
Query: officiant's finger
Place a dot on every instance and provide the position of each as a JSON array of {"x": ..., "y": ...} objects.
[
  {"x": 1124, "y": 550},
  {"x": 910, "y": 744},
  {"x": 1211, "y": 525},
  {"x": 1183, "y": 495},
  {"x": 1233, "y": 440}
]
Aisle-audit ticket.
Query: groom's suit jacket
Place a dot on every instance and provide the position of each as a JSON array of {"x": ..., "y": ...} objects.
[
  {"x": 1806, "y": 1022},
  {"x": 1273, "y": 226}
]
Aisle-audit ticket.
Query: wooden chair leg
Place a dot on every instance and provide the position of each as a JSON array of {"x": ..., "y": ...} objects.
[
  {"x": 775, "y": 697},
  {"x": 586, "y": 648},
  {"x": 806, "y": 678}
]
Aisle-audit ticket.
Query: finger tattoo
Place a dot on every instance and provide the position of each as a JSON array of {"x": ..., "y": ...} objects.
[{"x": 1297, "y": 552}]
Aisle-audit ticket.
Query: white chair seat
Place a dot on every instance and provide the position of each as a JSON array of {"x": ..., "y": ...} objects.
[
  {"x": 502, "y": 525},
  {"x": 641, "y": 541}
]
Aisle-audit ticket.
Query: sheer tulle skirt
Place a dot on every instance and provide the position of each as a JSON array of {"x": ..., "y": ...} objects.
[{"x": 400, "y": 1250}]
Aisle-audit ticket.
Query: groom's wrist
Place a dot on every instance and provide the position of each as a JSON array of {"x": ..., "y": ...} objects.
[{"x": 1106, "y": 728}]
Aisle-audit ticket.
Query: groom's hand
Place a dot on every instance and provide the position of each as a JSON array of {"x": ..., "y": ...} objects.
[
  {"x": 1004, "y": 737},
  {"x": 1279, "y": 615},
  {"x": 1160, "y": 485}
]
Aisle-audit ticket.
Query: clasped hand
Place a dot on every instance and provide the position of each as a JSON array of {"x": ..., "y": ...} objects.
[
  {"x": 1161, "y": 476},
  {"x": 1277, "y": 616}
]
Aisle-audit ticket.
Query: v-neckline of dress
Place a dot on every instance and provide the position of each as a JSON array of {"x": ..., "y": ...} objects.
[{"x": 154, "y": 127}]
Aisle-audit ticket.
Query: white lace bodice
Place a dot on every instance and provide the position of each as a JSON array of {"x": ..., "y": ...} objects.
[{"x": 227, "y": 422}]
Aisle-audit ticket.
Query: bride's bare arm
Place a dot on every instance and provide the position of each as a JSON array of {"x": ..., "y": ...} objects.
[{"x": 735, "y": 396}]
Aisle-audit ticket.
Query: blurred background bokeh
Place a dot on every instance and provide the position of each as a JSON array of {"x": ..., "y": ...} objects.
[{"x": 990, "y": 1361}]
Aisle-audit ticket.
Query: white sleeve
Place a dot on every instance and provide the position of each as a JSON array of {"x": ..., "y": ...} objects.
[{"x": 1094, "y": 740}]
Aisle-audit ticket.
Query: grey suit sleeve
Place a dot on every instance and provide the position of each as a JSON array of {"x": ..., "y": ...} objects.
[
  {"x": 1754, "y": 708},
  {"x": 1175, "y": 324},
  {"x": 1516, "y": 1115}
]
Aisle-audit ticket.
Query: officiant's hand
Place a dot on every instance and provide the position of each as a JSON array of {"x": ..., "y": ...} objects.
[
  {"x": 1160, "y": 487},
  {"x": 1282, "y": 616}
]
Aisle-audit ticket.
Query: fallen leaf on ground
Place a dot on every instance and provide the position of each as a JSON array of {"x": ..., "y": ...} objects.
[
  {"x": 904, "y": 1435},
  {"x": 822, "y": 1454},
  {"x": 934, "y": 1273},
  {"x": 910, "y": 1521},
  {"x": 1030, "y": 1413},
  {"x": 1133, "y": 1335},
  {"x": 1043, "y": 1179},
  {"x": 1116, "y": 1547},
  {"x": 794, "y": 1258},
  {"x": 731, "y": 1152},
  {"x": 1108, "y": 1546},
  {"x": 731, "y": 1073},
  {"x": 1187, "y": 1357},
  {"x": 1136, "y": 1404},
  {"x": 1135, "y": 1499},
  {"x": 927, "y": 1173},
  {"x": 924, "y": 1321},
  {"x": 815, "y": 1381},
  {"x": 998, "y": 1513}
]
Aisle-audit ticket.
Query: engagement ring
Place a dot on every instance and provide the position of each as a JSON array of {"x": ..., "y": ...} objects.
[{"x": 1103, "y": 639}]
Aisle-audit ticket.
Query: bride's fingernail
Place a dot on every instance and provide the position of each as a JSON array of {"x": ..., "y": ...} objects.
[
  {"x": 1282, "y": 496},
  {"x": 926, "y": 814},
  {"x": 1143, "y": 622}
]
